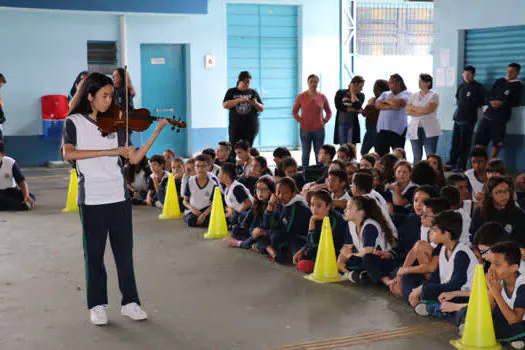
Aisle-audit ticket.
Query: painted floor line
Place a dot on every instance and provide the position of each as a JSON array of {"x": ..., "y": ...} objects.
[
  {"x": 373, "y": 337},
  {"x": 46, "y": 176}
]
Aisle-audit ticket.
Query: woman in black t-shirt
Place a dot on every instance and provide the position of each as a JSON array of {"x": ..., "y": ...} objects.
[
  {"x": 120, "y": 80},
  {"x": 245, "y": 105}
]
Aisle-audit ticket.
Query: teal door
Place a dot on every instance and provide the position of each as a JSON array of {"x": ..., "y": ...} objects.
[
  {"x": 263, "y": 39},
  {"x": 163, "y": 73}
]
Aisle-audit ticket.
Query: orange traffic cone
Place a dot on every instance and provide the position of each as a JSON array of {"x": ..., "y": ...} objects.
[
  {"x": 218, "y": 228},
  {"x": 325, "y": 269},
  {"x": 171, "y": 208},
  {"x": 479, "y": 327},
  {"x": 72, "y": 192}
]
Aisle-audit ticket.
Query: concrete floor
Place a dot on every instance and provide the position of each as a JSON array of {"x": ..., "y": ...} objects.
[{"x": 199, "y": 294}]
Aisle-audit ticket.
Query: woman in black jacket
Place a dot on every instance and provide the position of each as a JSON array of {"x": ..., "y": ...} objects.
[{"x": 348, "y": 103}]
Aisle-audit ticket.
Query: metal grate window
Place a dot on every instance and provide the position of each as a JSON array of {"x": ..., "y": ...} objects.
[
  {"x": 394, "y": 28},
  {"x": 102, "y": 56}
]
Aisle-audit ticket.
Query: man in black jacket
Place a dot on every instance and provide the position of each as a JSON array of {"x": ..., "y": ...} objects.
[
  {"x": 470, "y": 97},
  {"x": 505, "y": 94}
]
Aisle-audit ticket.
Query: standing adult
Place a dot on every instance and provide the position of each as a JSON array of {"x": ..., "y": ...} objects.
[
  {"x": 424, "y": 128},
  {"x": 470, "y": 97},
  {"x": 505, "y": 94},
  {"x": 392, "y": 121},
  {"x": 121, "y": 80},
  {"x": 2, "y": 115},
  {"x": 348, "y": 103},
  {"x": 311, "y": 103},
  {"x": 371, "y": 113},
  {"x": 244, "y": 104}
]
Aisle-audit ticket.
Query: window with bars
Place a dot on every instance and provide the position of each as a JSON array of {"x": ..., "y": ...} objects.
[{"x": 102, "y": 56}]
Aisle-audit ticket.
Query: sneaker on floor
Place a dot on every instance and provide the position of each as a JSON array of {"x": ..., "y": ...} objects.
[
  {"x": 98, "y": 315},
  {"x": 363, "y": 276},
  {"x": 159, "y": 205},
  {"x": 519, "y": 344},
  {"x": 133, "y": 311},
  {"x": 461, "y": 329},
  {"x": 353, "y": 276},
  {"x": 421, "y": 309}
]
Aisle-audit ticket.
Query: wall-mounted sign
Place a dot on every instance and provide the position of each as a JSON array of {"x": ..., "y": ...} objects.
[{"x": 160, "y": 60}]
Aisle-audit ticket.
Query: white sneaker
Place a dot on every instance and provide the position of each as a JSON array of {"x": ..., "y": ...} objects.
[
  {"x": 98, "y": 315},
  {"x": 133, "y": 311},
  {"x": 519, "y": 344},
  {"x": 159, "y": 205}
]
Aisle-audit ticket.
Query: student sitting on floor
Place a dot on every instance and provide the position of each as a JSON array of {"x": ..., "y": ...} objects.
[
  {"x": 177, "y": 169},
  {"x": 14, "y": 192},
  {"x": 189, "y": 171},
  {"x": 214, "y": 168},
  {"x": 370, "y": 233},
  {"x": 345, "y": 154},
  {"x": 367, "y": 162},
  {"x": 317, "y": 173},
  {"x": 244, "y": 162},
  {"x": 287, "y": 217},
  {"x": 251, "y": 229},
  {"x": 321, "y": 183},
  {"x": 158, "y": 180},
  {"x": 460, "y": 182},
  {"x": 451, "y": 194},
  {"x": 237, "y": 197},
  {"x": 278, "y": 155},
  {"x": 321, "y": 206},
  {"x": 402, "y": 189},
  {"x": 289, "y": 169},
  {"x": 198, "y": 194},
  {"x": 456, "y": 264},
  {"x": 337, "y": 184},
  {"x": 224, "y": 153},
  {"x": 259, "y": 168},
  {"x": 477, "y": 176},
  {"x": 137, "y": 180}
]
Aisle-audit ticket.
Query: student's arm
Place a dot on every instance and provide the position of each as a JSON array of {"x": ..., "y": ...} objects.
[
  {"x": 136, "y": 156},
  {"x": 296, "y": 108},
  {"x": 327, "y": 110},
  {"x": 512, "y": 316},
  {"x": 399, "y": 200},
  {"x": 21, "y": 182},
  {"x": 447, "y": 296},
  {"x": 149, "y": 197},
  {"x": 339, "y": 203},
  {"x": 370, "y": 234}
]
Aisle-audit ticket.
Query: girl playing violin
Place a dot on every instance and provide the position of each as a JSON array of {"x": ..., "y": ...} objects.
[{"x": 105, "y": 206}]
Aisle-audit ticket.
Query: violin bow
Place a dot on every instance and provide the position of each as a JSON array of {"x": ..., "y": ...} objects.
[{"x": 127, "y": 102}]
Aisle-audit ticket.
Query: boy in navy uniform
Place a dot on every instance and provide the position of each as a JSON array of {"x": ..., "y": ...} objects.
[
  {"x": 506, "y": 93},
  {"x": 470, "y": 97},
  {"x": 236, "y": 196},
  {"x": 198, "y": 194},
  {"x": 157, "y": 182},
  {"x": 14, "y": 192}
]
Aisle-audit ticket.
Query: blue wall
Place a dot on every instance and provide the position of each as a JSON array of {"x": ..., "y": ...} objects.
[
  {"x": 43, "y": 51},
  {"x": 452, "y": 18},
  {"x": 151, "y": 6}
]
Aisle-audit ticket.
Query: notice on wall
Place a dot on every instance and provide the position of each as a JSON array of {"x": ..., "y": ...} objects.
[
  {"x": 450, "y": 77},
  {"x": 444, "y": 57},
  {"x": 440, "y": 77},
  {"x": 160, "y": 60}
]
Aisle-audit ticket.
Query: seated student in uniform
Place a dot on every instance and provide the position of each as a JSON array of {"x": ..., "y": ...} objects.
[
  {"x": 370, "y": 233},
  {"x": 177, "y": 169},
  {"x": 421, "y": 261},
  {"x": 451, "y": 194},
  {"x": 321, "y": 207},
  {"x": 189, "y": 171},
  {"x": 244, "y": 158},
  {"x": 287, "y": 218},
  {"x": 168, "y": 155},
  {"x": 289, "y": 169},
  {"x": 409, "y": 233},
  {"x": 460, "y": 182},
  {"x": 456, "y": 265},
  {"x": 402, "y": 189},
  {"x": 477, "y": 176},
  {"x": 198, "y": 194},
  {"x": 259, "y": 168},
  {"x": 214, "y": 168},
  {"x": 319, "y": 172},
  {"x": 137, "y": 180},
  {"x": 345, "y": 154},
  {"x": 337, "y": 186},
  {"x": 400, "y": 153},
  {"x": 237, "y": 197},
  {"x": 250, "y": 230},
  {"x": 224, "y": 153},
  {"x": 157, "y": 182},
  {"x": 14, "y": 191},
  {"x": 278, "y": 155},
  {"x": 367, "y": 162},
  {"x": 320, "y": 184}
]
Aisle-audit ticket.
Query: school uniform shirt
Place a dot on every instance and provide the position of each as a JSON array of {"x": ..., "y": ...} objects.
[
  {"x": 514, "y": 224},
  {"x": 470, "y": 98},
  {"x": 253, "y": 221},
  {"x": 100, "y": 179},
  {"x": 235, "y": 195},
  {"x": 383, "y": 205},
  {"x": 10, "y": 174},
  {"x": 429, "y": 122},
  {"x": 393, "y": 120},
  {"x": 141, "y": 181},
  {"x": 475, "y": 185},
  {"x": 457, "y": 271},
  {"x": 299, "y": 179},
  {"x": 516, "y": 300},
  {"x": 408, "y": 193},
  {"x": 465, "y": 227},
  {"x": 291, "y": 219},
  {"x": 510, "y": 92},
  {"x": 163, "y": 183},
  {"x": 200, "y": 197},
  {"x": 371, "y": 236},
  {"x": 340, "y": 234},
  {"x": 468, "y": 207}
]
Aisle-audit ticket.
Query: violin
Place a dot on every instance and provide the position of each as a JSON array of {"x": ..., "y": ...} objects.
[{"x": 116, "y": 118}]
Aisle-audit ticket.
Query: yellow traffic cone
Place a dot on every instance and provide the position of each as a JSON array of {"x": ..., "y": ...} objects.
[
  {"x": 217, "y": 228},
  {"x": 325, "y": 269},
  {"x": 479, "y": 327},
  {"x": 171, "y": 208},
  {"x": 72, "y": 192}
]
